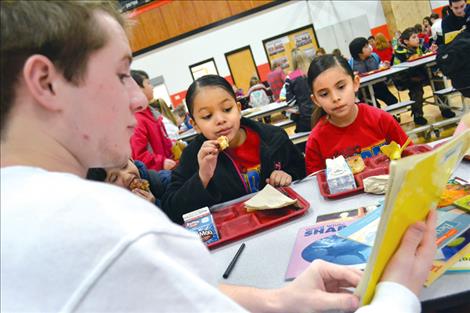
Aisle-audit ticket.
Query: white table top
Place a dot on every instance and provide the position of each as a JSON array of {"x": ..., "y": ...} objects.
[
  {"x": 430, "y": 60},
  {"x": 264, "y": 110},
  {"x": 264, "y": 261},
  {"x": 379, "y": 76}
]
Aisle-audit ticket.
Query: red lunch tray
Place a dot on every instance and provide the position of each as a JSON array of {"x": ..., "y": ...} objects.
[
  {"x": 372, "y": 72},
  {"x": 234, "y": 222},
  {"x": 422, "y": 57},
  {"x": 376, "y": 165}
]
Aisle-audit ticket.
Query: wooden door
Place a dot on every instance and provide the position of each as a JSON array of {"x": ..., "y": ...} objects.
[{"x": 242, "y": 67}]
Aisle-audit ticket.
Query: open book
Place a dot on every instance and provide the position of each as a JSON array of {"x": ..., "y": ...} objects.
[{"x": 415, "y": 185}]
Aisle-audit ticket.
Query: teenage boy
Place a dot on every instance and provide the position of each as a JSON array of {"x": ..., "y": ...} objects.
[
  {"x": 363, "y": 61},
  {"x": 455, "y": 20},
  {"x": 73, "y": 245},
  {"x": 415, "y": 78}
]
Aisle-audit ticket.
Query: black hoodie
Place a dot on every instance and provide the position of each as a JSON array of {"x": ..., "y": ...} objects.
[{"x": 186, "y": 192}]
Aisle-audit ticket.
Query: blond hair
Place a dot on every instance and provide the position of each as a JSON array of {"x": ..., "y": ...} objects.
[
  {"x": 381, "y": 42},
  {"x": 300, "y": 60}
]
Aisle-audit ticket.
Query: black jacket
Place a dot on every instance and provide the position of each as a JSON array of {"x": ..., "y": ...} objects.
[
  {"x": 299, "y": 89},
  {"x": 452, "y": 23},
  {"x": 454, "y": 61},
  {"x": 186, "y": 192}
]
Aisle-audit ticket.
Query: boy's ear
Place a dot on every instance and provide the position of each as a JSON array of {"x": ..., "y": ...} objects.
[
  {"x": 42, "y": 80},
  {"x": 193, "y": 123}
]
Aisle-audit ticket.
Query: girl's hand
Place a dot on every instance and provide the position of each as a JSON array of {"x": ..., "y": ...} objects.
[
  {"x": 279, "y": 179},
  {"x": 207, "y": 159},
  {"x": 169, "y": 164},
  {"x": 147, "y": 195}
]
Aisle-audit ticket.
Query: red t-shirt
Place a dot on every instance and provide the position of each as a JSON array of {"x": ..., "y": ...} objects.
[
  {"x": 247, "y": 159},
  {"x": 385, "y": 54},
  {"x": 372, "y": 128}
]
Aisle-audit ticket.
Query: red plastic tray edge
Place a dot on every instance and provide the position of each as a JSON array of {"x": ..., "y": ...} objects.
[
  {"x": 422, "y": 57},
  {"x": 290, "y": 192},
  {"x": 373, "y": 72}
]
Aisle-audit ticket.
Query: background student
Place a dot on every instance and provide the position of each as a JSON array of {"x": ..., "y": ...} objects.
[
  {"x": 363, "y": 61},
  {"x": 342, "y": 127},
  {"x": 383, "y": 48},
  {"x": 150, "y": 142},
  {"x": 258, "y": 154},
  {"x": 415, "y": 78},
  {"x": 276, "y": 78},
  {"x": 160, "y": 107},
  {"x": 297, "y": 88},
  {"x": 93, "y": 255}
]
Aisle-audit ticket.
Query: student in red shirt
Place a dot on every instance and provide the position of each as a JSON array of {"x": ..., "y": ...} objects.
[
  {"x": 383, "y": 48},
  {"x": 342, "y": 127},
  {"x": 258, "y": 154}
]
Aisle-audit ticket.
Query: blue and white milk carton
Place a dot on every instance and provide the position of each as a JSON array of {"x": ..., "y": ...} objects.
[{"x": 201, "y": 222}]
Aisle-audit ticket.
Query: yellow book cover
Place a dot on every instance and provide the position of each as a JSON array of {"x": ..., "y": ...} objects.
[{"x": 415, "y": 186}]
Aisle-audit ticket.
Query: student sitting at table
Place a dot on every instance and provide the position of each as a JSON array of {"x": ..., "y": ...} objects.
[
  {"x": 383, "y": 48},
  {"x": 258, "y": 154},
  {"x": 136, "y": 177},
  {"x": 258, "y": 93},
  {"x": 342, "y": 127},
  {"x": 297, "y": 88},
  {"x": 150, "y": 142},
  {"x": 414, "y": 78},
  {"x": 363, "y": 61}
]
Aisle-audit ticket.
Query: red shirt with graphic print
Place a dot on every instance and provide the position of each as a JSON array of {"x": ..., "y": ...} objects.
[
  {"x": 247, "y": 159},
  {"x": 372, "y": 128}
]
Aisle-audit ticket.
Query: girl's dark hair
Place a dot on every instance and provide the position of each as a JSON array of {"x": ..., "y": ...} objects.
[
  {"x": 206, "y": 81},
  {"x": 96, "y": 174},
  {"x": 318, "y": 66},
  {"x": 139, "y": 77}
]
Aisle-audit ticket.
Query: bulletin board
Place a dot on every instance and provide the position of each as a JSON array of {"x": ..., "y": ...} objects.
[
  {"x": 279, "y": 47},
  {"x": 203, "y": 68}
]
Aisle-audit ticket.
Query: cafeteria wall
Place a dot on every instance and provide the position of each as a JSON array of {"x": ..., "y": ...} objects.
[{"x": 172, "y": 61}]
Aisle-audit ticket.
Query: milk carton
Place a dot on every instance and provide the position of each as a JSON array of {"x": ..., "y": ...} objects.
[
  {"x": 339, "y": 175},
  {"x": 201, "y": 222}
]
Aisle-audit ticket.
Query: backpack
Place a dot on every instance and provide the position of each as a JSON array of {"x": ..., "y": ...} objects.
[{"x": 259, "y": 98}]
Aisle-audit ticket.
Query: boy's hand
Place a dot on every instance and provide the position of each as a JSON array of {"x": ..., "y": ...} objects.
[
  {"x": 169, "y": 164},
  {"x": 207, "y": 159},
  {"x": 147, "y": 195},
  {"x": 279, "y": 179}
]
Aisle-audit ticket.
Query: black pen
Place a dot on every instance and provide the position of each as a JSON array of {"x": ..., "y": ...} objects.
[{"x": 234, "y": 261}]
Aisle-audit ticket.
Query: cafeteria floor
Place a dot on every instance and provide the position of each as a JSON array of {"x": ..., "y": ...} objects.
[{"x": 431, "y": 113}]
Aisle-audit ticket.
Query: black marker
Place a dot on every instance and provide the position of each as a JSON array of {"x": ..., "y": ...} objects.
[{"x": 234, "y": 260}]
